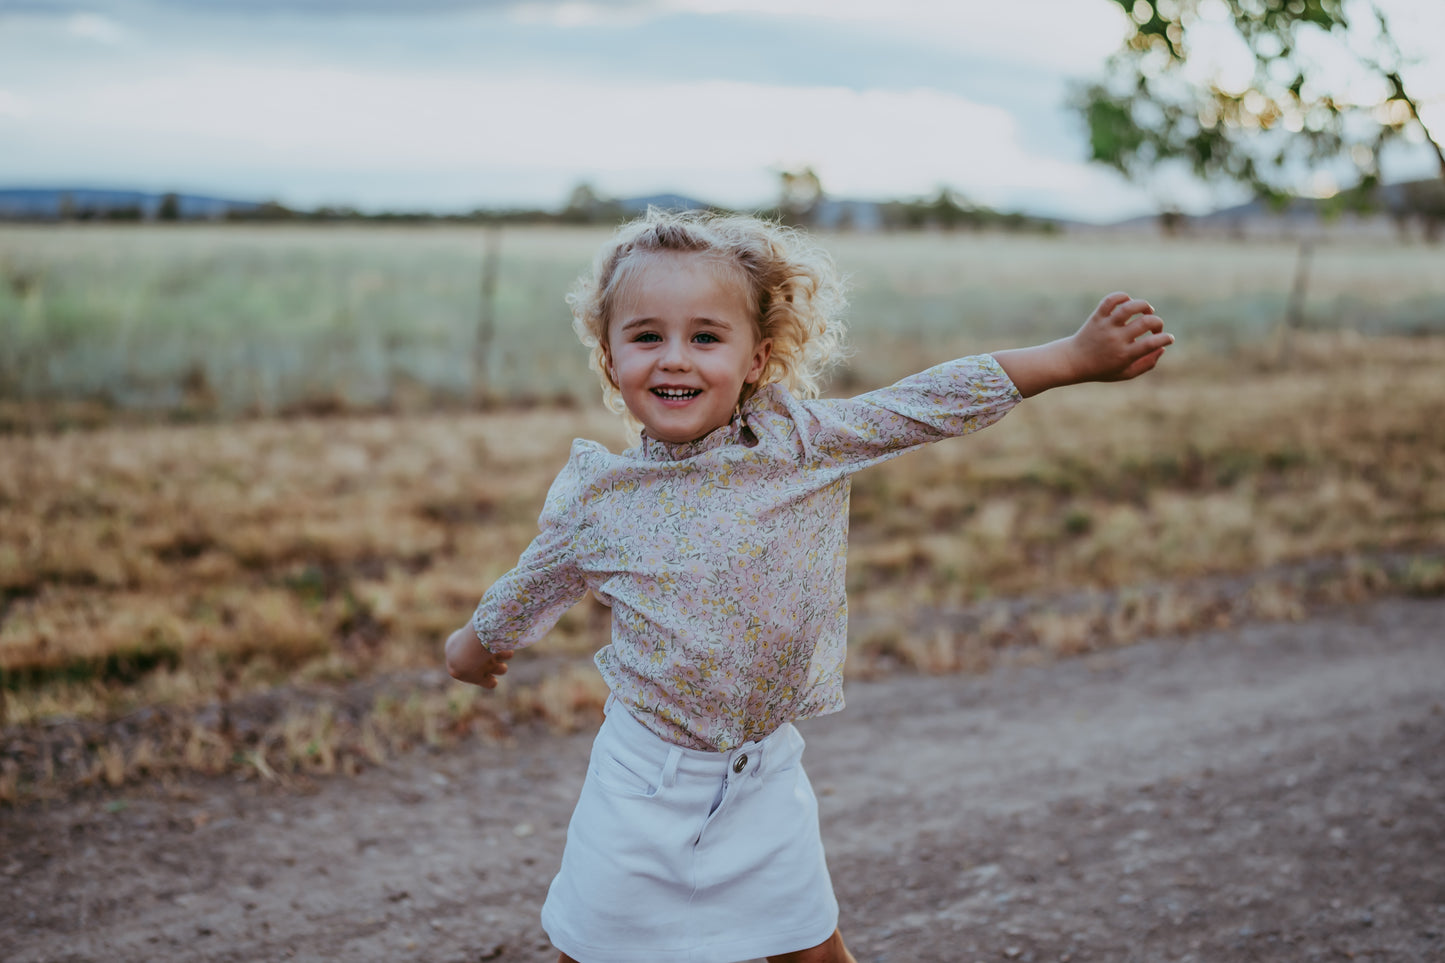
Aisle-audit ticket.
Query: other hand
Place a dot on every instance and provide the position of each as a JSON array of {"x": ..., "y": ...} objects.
[{"x": 470, "y": 661}]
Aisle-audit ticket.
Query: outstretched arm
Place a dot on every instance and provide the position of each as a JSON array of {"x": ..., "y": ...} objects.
[{"x": 1122, "y": 339}]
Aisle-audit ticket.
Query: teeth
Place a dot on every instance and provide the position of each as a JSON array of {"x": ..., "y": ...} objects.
[{"x": 676, "y": 392}]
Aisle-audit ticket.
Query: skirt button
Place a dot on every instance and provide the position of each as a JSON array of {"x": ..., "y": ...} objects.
[{"x": 740, "y": 763}]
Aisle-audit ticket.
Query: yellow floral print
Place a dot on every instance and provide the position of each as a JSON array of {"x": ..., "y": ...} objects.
[{"x": 723, "y": 558}]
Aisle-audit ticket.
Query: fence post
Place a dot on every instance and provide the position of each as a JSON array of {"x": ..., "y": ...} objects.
[
  {"x": 1294, "y": 309},
  {"x": 483, "y": 360}
]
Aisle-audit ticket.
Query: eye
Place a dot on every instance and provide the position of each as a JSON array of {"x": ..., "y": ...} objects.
[
  {"x": 706, "y": 337},
  {"x": 647, "y": 336}
]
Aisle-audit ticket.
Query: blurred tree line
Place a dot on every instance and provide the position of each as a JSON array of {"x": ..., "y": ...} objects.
[{"x": 802, "y": 201}]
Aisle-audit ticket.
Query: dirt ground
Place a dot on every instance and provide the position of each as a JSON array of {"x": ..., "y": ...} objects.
[{"x": 1270, "y": 792}]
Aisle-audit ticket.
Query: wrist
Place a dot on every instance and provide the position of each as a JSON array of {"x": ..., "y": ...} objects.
[
  {"x": 1041, "y": 367},
  {"x": 465, "y": 653},
  {"x": 1072, "y": 366}
]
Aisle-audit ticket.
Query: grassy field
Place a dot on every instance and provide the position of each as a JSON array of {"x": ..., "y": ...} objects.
[
  {"x": 199, "y": 321},
  {"x": 160, "y": 570}
]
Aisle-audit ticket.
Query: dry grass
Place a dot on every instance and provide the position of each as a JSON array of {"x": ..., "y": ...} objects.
[
  {"x": 250, "y": 553},
  {"x": 1209, "y": 466},
  {"x": 171, "y": 569},
  {"x": 288, "y": 735},
  {"x": 1031, "y": 630}
]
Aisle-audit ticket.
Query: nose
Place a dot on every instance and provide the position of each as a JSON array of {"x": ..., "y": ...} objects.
[{"x": 675, "y": 356}]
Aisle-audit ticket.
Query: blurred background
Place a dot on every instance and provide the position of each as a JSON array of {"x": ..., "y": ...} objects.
[{"x": 285, "y": 366}]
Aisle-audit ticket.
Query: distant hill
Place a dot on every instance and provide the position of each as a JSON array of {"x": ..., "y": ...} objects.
[
  {"x": 668, "y": 202},
  {"x": 1421, "y": 201},
  {"x": 54, "y": 203}
]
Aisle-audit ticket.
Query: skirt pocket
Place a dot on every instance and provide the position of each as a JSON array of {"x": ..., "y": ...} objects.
[{"x": 615, "y": 775}]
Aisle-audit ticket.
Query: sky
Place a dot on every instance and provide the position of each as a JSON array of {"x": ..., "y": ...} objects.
[{"x": 450, "y": 105}]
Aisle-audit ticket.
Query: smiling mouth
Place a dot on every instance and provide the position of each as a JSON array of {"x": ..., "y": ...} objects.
[{"x": 676, "y": 394}]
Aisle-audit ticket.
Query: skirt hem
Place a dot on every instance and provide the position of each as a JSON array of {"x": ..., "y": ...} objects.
[{"x": 752, "y": 947}]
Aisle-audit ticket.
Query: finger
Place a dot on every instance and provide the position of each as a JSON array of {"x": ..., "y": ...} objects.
[
  {"x": 1146, "y": 361},
  {"x": 488, "y": 682},
  {"x": 1111, "y": 301},
  {"x": 1124, "y": 310},
  {"x": 501, "y": 669},
  {"x": 504, "y": 656},
  {"x": 1142, "y": 365},
  {"x": 1150, "y": 343},
  {"x": 1141, "y": 323}
]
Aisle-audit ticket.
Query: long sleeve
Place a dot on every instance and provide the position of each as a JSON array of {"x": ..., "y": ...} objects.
[
  {"x": 947, "y": 400},
  {"x": 525, "y": 603}
]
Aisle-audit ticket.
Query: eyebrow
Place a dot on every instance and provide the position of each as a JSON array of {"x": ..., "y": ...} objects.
[{"x": 703, "y": 321}]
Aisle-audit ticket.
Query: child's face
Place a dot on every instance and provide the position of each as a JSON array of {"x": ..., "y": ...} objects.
[{"x": 681, "y": 345}]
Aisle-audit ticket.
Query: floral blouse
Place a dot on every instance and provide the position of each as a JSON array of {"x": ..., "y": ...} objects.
[{"x": 723, "y": 558}]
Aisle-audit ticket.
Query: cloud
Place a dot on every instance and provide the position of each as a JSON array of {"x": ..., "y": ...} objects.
[
  {"x": 13, "y": 106},
  {"x": 1067, "y": 35},
  {"x": 93, "y": 26},
  {"x": 487, "y": 97},
  {"x": 308, "y": 8},
  {"x": 877, "y": 143}
]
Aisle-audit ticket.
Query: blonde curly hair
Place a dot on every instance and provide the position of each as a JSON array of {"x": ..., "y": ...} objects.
[{"x": 793, "y": 290}]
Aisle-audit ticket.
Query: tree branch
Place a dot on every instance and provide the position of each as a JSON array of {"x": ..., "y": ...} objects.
[{"x": 1397, "y": 87}]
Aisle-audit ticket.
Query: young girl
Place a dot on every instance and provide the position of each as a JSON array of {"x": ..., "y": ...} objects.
[{"x": 719, "y": 543}]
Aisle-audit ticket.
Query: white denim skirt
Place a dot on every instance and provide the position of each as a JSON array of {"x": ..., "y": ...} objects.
[{"x": 685, "y": 855}]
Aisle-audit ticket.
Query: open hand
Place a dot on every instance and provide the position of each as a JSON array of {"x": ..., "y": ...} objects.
[
  {"x": 1122, "y": 339},
  {"x": 470, "y": 661}
]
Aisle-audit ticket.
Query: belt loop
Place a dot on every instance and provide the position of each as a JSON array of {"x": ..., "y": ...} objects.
[{"x": 669, "y": 768}]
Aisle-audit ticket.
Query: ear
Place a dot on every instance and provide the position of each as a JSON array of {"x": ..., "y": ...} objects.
[
  {"x": 607, "y": 364},
  {"x": 761, "y": 353}
]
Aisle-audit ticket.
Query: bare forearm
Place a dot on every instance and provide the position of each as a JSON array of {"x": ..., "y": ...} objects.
[{"x": 1039, "y": 368}]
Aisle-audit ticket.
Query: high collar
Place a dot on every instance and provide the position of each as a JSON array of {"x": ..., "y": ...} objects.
[{"x": 728, "y": 434}]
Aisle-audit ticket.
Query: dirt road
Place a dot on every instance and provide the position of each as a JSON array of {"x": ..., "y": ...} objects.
[{"x": 1272, "y": 792}]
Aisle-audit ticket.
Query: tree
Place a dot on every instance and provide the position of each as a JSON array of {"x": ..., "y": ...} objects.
[
  {"x": 585, "y": 205},
  {"x": 1271, "y": 131},
  {"x": 170, "y": 208},
  {"x": 800, "y": 192}
]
